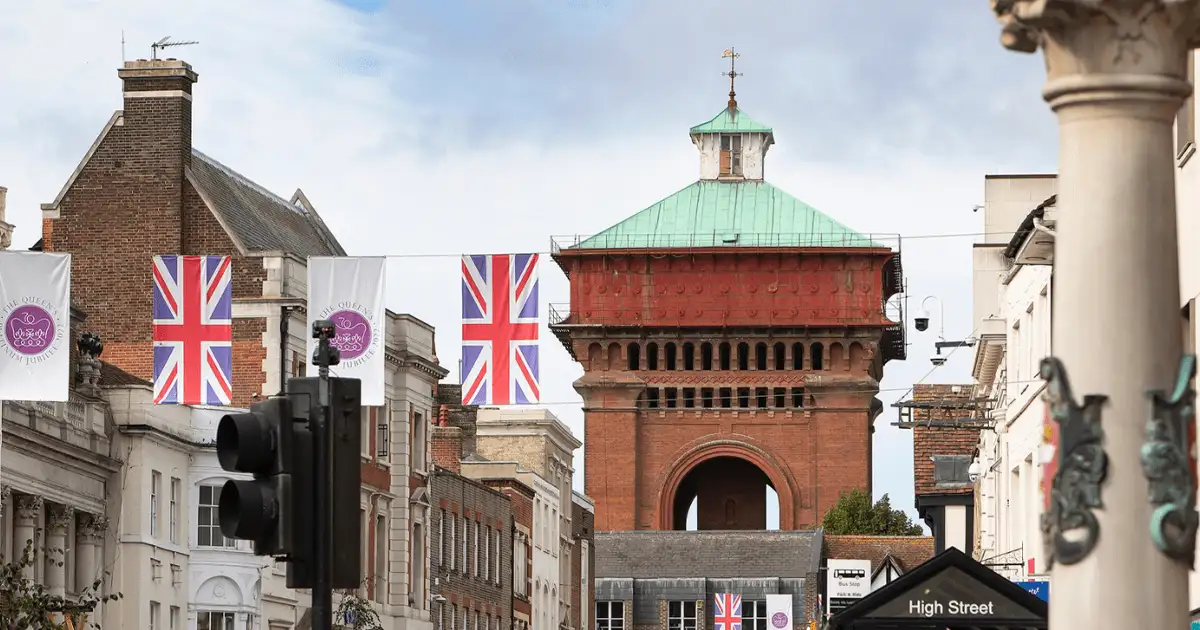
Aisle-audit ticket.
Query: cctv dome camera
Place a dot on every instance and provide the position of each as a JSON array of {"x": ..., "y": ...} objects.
[
  {"x": 973, "y": 472},
  {"x": 937, "y": 360},
  {"x": 922, "y": 323}
]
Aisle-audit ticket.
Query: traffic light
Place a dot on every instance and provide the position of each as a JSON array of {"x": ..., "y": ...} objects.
[
  {"x": 346, "y": 466},
  {"x": 259, "y": 442}
]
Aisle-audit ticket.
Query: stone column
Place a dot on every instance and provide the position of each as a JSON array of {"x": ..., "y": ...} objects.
[
  {"x": 89, "y": 541},
  {"x": 25, "y": 526},
  {"x": 58, "y": 520},
  {"x": 1120, "y": 517}
]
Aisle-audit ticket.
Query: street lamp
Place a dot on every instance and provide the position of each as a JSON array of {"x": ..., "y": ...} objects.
[{"x": 922, "y": 323}]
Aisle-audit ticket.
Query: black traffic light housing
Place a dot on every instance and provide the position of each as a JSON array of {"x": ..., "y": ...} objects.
[{"x": 259, "y": 442}]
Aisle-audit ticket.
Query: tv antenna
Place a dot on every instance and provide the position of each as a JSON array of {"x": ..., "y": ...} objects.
[{"x": 166, "y": 43}]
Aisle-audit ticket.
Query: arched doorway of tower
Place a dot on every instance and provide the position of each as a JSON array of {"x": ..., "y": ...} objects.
[{"x": 726, "y": 493}]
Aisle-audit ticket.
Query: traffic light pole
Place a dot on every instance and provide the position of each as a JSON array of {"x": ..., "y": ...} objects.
[{"x": 322, "y": 592}]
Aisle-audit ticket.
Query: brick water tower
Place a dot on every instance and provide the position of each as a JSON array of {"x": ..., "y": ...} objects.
[{"x": 732, "y": 338}]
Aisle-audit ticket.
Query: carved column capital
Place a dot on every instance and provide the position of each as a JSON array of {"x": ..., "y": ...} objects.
[
  {"x": 29, "y": 507},
  {"x": 91, "y": 528},
  {"x": 1105, "y": 45},
  {"x": 58, "y": 518}
]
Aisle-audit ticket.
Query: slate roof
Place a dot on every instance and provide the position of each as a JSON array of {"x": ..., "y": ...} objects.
[
  {"x": 908, "y": 551},
  {"x": 707, "y": 554},
  {"x": 711, "y": 213},
  {"x": 261, "y": 220}
]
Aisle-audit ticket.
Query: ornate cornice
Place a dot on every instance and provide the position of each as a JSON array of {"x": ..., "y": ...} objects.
[{"x": 402, "y": 358}]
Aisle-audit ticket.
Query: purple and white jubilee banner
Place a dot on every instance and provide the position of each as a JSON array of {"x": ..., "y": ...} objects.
[{"x": 35, "y": 312}]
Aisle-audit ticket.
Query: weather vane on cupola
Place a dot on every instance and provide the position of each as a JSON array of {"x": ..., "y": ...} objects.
[{"x": 732, "y": 74}]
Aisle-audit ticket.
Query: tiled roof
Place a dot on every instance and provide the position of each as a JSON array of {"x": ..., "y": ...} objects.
[
  {"x": 908, "y": 551},
  {"x": 261, "y": 220},
  {"x": 113, "y": 376},
  {"x": 731, "y": 121},
  {"x": 929, "y": 441},
  {"x": 728, "y": 214},
  {"x": 707, "y": 554}
]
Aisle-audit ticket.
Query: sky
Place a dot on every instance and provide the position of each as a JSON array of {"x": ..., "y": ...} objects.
[{"x": 426, "y": 130}]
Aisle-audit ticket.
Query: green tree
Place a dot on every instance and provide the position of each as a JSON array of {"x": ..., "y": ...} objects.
[
  {"x": 855, "y": 514},
  {"x": 356, "y": 613},
  {"x": 27, "y": 605}
]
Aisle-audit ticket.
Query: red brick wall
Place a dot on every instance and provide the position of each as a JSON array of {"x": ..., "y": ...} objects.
[
  {"x": 446, "y": 446},
  {"x": 520, "y": 499},
  {"x": 130, "y": 202},
  {"x": 812, "y": 454}
]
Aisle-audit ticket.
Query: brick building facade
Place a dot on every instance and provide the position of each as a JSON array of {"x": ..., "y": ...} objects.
[
  {"x": 583, "y": 560},
  {"x": 945, "y": 442},
  {"x": 732, "y": 338},
  {"x": 472, "y": 550}
]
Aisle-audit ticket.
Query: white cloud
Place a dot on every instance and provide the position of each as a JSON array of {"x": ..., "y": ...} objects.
[{"x": 276, "y": 101}]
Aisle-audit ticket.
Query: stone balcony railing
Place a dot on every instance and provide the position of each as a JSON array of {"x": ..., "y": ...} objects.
[{"x": 77, "y": 422}]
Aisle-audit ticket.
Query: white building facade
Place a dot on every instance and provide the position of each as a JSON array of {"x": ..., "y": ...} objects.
[{"x": 1013, "y": 301}]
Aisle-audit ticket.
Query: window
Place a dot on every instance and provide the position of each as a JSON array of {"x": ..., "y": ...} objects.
[
  {"x": 441, "y": 617},
  {"x": 382, "y": 448},
  {"x": 155, "y": 616},
  {"x": 496, "y": 559},
  {"x": 520, "y": 564},
  {"x": 610, "y": 615},
  {"x": 212, "y": 620},
  {"x": 174, "y": 618},
  {"x": 731, "y": 154},
  {"x": 416, "y": 587},
  {"x": 466, "y": 566},
  {"x": 441, "y": 550},
  {"x": 585, "y": 596},
  {"x": 155, "y": 496},
  {"x": 364, "y": 529},
  {"x": 208, "y": 528},
  {"x": 475, "y": 548},
  {"x": 453, "y": 616},
  {"x": 381, "y": 549},
  {"x": 419, "y": 430},
  {"x": 754, "y": 615},
  {"x": 487, "y": 553},
  {"x": 368, "y": 421},
  {"x": 453, "y": 539},
  {"x": 176, "y": 489},
  {"x": 681, "y": 615}
]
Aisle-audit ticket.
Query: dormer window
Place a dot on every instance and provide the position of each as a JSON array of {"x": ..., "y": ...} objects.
[{"x": 731, "y": 155}]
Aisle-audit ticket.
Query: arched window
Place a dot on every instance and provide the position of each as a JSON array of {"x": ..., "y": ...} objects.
[
  {"x": 797, "y": 356},
  {"x": 760, "y": 356},
  {"x": 634, "y": 354},
  {"x": 651, "y": 356},
  {"x": 743, "y": 356},
  {"x": 670, "y": 351},
  {"x": 817, "y": 360},
  {"x": 724, "y": 356},
  {"x": 780, "y": 356},
  {"x": 706, "y": 356},
  {"x": 689, "y": 356}
]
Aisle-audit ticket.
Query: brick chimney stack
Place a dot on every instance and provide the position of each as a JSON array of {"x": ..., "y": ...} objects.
[
  {"x": 454, "y": 434},
  {"x": 158, "y": 112},
  {"x": 6, "y": 229}
]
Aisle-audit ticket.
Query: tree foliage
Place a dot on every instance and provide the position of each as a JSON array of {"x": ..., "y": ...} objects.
[
  {"x": 28, "y": 605},
  {"x": 855, "y": 514},
  {"x": 356, "y": 613}
]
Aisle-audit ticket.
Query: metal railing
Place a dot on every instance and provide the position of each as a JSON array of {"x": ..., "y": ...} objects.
[
  {"x": 562, "y": 313},
  {"x": 884, "y": 240}
]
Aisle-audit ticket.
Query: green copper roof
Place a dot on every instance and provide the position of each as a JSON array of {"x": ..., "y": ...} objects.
[
  {"x": 735, "y": 121},
  {"x": 727, "y": 214}
]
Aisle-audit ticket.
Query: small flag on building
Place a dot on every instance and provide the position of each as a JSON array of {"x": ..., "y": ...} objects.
[
  {"x": 193, "y": 330},
  {"x": 35, "y": 311},
  {"x": 500, "y": 329},
  {"x": 727, "y": 611},
  {"x": 351, "y": 292}
]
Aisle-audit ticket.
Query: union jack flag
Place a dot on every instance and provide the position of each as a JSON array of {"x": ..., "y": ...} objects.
[
  {"x": 193, "y": 330},
  {"x": 727, "y": 612},
  {"x": 500, "y": 329}
]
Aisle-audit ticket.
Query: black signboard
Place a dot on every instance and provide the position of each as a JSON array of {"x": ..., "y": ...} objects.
[{"x": 951, "y": 594}]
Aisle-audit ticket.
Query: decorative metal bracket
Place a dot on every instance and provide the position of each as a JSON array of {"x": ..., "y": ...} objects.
[
  {"x": 1082, "y": 466},
  {"x": 1168, "y": 461}
]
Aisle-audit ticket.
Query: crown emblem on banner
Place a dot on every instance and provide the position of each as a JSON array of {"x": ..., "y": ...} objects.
[
  {"x": 30, "y": 331},
  {"x": 351, "y": 336}
]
